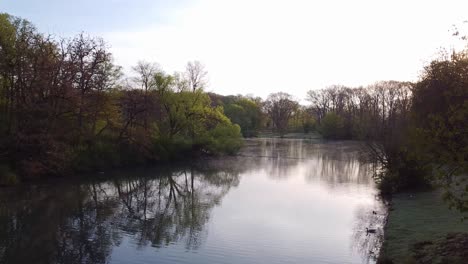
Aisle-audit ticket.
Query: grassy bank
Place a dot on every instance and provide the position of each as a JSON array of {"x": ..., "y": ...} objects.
[{"x": 418, "y": 228}]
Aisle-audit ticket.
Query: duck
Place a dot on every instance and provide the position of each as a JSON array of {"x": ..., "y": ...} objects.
[
  {"x": 374, "y": 212},
  {"x": 371, "y": 230}
]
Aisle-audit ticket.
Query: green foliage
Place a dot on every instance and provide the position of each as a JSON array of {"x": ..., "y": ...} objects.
[
  {"x": 332, "y": 126},
  {"x": 225, "y": 138},
  {"x": 404, "y": 175},
  {"x": 246, "y": 113},
  {"x": 63, "y": 107},
  {"x": 440, "y": 112},
  {"x": 193, "y": 125}
]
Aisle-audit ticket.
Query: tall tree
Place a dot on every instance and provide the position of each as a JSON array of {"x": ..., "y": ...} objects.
[
  {"x": 440, "y": 108},
  {"x": 145, "y": 72},
  {"x": 280, "y": 108},
  {"x": 145, "y": 78},
  {"x": 196, "y": 75},
  {"x": 246, "y": 113}
]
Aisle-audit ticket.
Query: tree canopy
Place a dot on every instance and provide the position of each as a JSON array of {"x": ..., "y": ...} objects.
[{"x": 64, "y": 106}]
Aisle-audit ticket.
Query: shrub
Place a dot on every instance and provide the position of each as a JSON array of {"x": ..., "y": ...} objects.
[{"x": 225, "y": 138}]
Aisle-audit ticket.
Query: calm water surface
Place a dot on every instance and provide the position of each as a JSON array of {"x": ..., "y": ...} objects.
[{"x": 279, "y": 201}]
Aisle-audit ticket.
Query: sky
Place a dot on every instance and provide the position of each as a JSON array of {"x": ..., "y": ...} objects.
[{"x": 262, "y": 46}]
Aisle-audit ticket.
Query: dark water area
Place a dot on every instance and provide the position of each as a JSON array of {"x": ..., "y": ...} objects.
[{"x": 278, "y": 201}]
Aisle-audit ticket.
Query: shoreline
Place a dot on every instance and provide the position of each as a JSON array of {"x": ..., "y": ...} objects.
[{"x": 416, "y": 219}]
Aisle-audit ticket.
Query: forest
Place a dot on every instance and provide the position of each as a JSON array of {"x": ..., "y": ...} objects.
[{"x": 66, "y": 107}]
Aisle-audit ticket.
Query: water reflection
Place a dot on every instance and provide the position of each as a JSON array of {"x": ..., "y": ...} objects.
[
  {"x": 333, "y": 163},
  {"x": 288, "y": 193},
  {"x": 81, "y": 224}
]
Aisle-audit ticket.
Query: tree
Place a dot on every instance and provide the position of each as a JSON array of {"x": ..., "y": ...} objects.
[
  {"x": 440, "y": 108},
  {"x": 379, "y": 115},
  {"x": 303, "y": 120},
  {"x": 39, "y": 97},
  {"x": 145, "y": 75},
  {"x": 246, "y": 113},
  {"x": 280, "y": 108},
  {"x": 181, "y": 83},
  {"x": 62, "y": 107},
  {"x": 146, "y": 80},
  {"x": 319, "y": 103},
  {"x": 196, "y": 75}
]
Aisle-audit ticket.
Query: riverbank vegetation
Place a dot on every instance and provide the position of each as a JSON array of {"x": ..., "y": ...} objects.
[
  {"x": 65, "y": 106},
  {"x": 415, "y": 132}
]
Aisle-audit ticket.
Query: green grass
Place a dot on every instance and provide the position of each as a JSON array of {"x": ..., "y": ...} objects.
[{"x": 418, "y": 217}]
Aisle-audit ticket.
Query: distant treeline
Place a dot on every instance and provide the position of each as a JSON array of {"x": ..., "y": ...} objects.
[
  {"x": 279, "y": 113},
  {"x": 416, "y": 132}
]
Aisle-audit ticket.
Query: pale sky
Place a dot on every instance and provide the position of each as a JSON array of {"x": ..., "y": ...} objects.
[{"x": 262, "y": 46}]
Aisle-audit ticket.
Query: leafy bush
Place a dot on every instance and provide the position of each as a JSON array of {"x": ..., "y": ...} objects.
[
  {"x": 405, "y": 174},
  {"x": 246, "y": 113},
  {"x": 225, "y": 138}
]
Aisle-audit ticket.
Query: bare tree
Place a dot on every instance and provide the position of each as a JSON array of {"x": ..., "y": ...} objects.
[
  {"x": 196, "y": 75},
  {"x": 319, "y": 103},
  {"x": 145, "y": 74},
  {"x": 181, "y": 83},
  {"x": 280, "y": 107}
]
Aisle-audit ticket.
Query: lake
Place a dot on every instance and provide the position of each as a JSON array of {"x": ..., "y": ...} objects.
[{"x": 278, "y": 201}]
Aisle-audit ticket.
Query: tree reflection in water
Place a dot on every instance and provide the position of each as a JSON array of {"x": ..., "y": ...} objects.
[
  {"x": 333, "y": 163},
  {"x": 99, "y": 220},
  {"x": 67, "y": 223}
]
